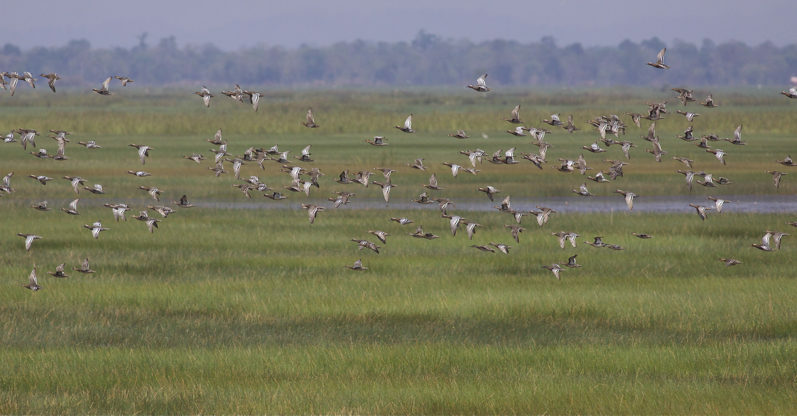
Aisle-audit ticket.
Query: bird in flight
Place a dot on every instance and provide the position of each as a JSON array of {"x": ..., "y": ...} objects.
[
  {"x": 123, "y": 80},
  {"x": 51, "y": 78},
  {"x": 310, "y": 122},
  {"x": 660, "y": 60},
  {"x": 29, "y": 239},
  {"x": 59, "y": 272},
  {"x": 555, "y": 269},
  {"x": 629, "y": 198},
  {"x": 33, "y": 282},
  {"x": 730, "y": 261},
  {"x": 407, "y": 128},
  {"x": 104, "y": 89},
  {"x": 84, "y": 267},
  {"x": 515, "y": 116},
  {"x": 312, "y": 211},
  {"x": 481, "y": 84},
  {"x": 358, "y": 265},
  {"x": 143, "y": 151},
  {"x": 95, "y": 228},
  {"x": 205, "y": 94}
]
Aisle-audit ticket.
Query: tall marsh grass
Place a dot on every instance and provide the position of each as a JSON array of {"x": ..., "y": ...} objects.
[{"x": 233, "y": 309}]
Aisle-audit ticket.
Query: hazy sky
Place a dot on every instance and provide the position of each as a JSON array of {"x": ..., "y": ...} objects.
[{"x": 233, "y": 24}]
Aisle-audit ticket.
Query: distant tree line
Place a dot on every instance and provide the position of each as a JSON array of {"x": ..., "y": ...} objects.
[{"x": 427, "y": 60}]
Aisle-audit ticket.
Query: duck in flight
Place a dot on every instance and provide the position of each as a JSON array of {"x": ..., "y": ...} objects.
[
  {"x": 29, "y": 239},
  {"x": 205, "y": 94},
  {"x": 660, "y": 60},
  {"x": 407, "y": 128},
  {"x": 33, "y": 282},
  {"x": 481, "y": 84},
  {"x": 310, "y": 122},
  {"x": 51, "y": 78},
  {"x": 104, "y": 89}
]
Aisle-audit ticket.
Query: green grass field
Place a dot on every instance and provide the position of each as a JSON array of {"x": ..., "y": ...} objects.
[{"x": 225, "y": 309}]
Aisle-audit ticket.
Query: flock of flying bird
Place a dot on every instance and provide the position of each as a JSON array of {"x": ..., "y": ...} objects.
[{"x": 303, "y": 180}]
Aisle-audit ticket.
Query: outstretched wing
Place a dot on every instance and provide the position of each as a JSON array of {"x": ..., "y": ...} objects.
[
  {"x": 629, "y": 200},
  {"x": 516, "y": 112},
  {"x": 481, "y": 81},
  {"x": 32, "y": 278},
  {"x": 660, "y": 56}
]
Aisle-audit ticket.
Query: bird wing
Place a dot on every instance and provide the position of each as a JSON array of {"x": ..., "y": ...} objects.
[
  {"x": 29, "y": 79},
  {"x": 408, "y": 122},
  {"x": 481, "y": 81},
  {"x": 311, "y": 213},
  {"x": 660, "y": 56},
  {"x": 471, "y": 229},
  {"x": 454, "y": 224},
  {"x": 765, "y": 239},
  {"x": 506, "y": 203},
  {"x": 106, "y": 83},
  {"x": 255, "y": 98},
  {"x": 652, "y": 130}
]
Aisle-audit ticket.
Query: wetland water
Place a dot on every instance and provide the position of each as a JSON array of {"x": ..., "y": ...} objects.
[
  {"x": 765, "y": 204},
  {"x": 770, "y": 204}
]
